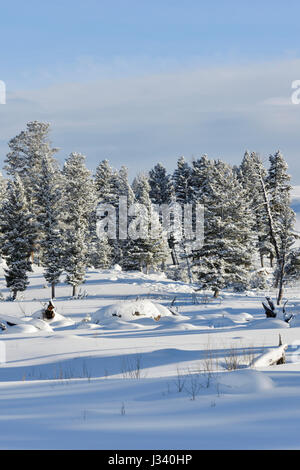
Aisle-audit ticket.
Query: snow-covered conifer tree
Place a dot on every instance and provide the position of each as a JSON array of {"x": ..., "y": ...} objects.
[
  {"x": 27, "y": 151},
  {"x": 16, "y": 237},
  {"x": 278, "y": 188},
  {"x": 50, "y": 199},
  {"x": 287, "y": 262},
  {"x": 3, "y": 185},
  {"x": 101, "y": 256},
  {"x": 161, "y": 186},
  {"x": 104, "y": 183},
  {"x": 225, "y": 259},
  {"x": 110, "y": 186},
  {"x": 200, "y": 178},
  {"x": 79, "y": 203},
  {"x": 147, "y": 246},
  {"x": 184, "y": 194},
  {"x": 182, "y": 179},
  {"x": 251, "y": 174}
]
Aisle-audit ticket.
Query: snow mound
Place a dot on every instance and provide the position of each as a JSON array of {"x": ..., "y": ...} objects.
[
  {"x": 60, "y": 323},
  {"x": 199, "y": 317},
  {"x": 9, "y": 319},
  {"x": 242, "y": 317},
  {"x": 131, "y": 310},
  {"x": 268, "y": 323},
  {"x": 117, "y": 268},
  {"x": 295, "y": 321},
  {"x": 270, "y": 357},
  {"x": 245, "y": 381},
  {"x": 178, "y": 322},
  {"x": 24, "y": 324},
  {"x": 57, "y": 321},
  {"x": 20, "y": 329},
  {"x": 184, "y": 326},
  {"x": 112, "y": 324},
  {"x": 85, "y": 325},
  {"x": 39, "y": 324},
  {"x": 221, "y": 322}
]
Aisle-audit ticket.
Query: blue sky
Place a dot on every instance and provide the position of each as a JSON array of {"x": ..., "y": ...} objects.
[{"x": 139, "y": 82}]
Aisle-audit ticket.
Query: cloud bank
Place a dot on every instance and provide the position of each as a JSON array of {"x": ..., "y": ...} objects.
[{"x": 140, "y": 120}]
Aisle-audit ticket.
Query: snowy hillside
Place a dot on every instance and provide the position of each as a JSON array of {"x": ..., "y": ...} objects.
[{"x": 181, "y": 381}]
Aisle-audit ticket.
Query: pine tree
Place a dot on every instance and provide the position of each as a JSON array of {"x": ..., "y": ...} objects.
[
  {"x": 27, "y": 151},
  {"x": 102, "y": 254},
  {"x": 283, "y": 217},
  {"x": 183, "y": 185},
  {"x": 50, "y": 222},
  {"x": 75, "y": 256},
  {"x": 123, "y": 190},
  {"x": 147, "y": 245},
  {"x": 16, "y": 238},
  {"x": 251, "y": 174},
  {"x": 182, "y": 179},
  {"x": 225, "y": 259},
  {"x": 292, "y": 267},
  {"x": 161, "y": 187},
  {"x": 200, "y": 177},
  {"x": 3, "y": 185},
  {"x": 110, "y": 186},
  {"x": 104, "y": 184},
  {"x": 285, "y": 268},
  {"x": 278, "y": 185},
  {"x": 79, "y": 202}
]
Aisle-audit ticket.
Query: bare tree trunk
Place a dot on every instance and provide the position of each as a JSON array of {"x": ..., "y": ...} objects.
[
  {"x": 74, "y": 291},
  {"x": 261, "y": 260},
  {"x": 53, "y": 290},
  {"x": 280, "y": 259},
  {"x": 174, "y": 257},
  {"x": 270, "y": 218},
  {"x": 280, "y": 281},
  {"x": 216, "y": 293},
  {"x": 280, "y": 293},
  {"x": 187, "y": 262}
]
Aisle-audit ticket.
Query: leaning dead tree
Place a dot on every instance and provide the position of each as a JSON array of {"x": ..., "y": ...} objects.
[{"x": 281, "y": 249}]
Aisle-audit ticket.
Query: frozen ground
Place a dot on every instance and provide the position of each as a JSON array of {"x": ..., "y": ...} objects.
[{"x": 144, "y": 382}]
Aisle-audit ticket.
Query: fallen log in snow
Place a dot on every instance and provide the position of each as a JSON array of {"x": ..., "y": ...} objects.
[{"x": 271, "y": 357}]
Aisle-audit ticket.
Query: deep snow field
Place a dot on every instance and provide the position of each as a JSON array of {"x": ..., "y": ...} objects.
[{"x": 152, "y": 378}]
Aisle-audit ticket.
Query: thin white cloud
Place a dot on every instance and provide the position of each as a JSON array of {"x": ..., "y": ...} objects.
[{"x": 138, "y": 120}]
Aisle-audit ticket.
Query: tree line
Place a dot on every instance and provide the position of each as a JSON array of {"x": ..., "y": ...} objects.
[{"x": 48, "y": 216}]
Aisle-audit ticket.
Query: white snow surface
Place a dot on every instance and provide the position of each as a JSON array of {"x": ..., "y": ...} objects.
[
  {"x": 129, "y": 310},
  {"x": 90, "y": 380},
  {"x": 270, "y": 357}
]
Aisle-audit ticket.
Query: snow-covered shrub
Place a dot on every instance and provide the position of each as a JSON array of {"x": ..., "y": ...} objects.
[
  {"x": 259, "y": 280},
  {"x": 177, "y": 273}
]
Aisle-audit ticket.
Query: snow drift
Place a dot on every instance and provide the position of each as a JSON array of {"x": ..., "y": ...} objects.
[
  {"x": 131, "y": 310},
  {"x": 245, "y": 381}
]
